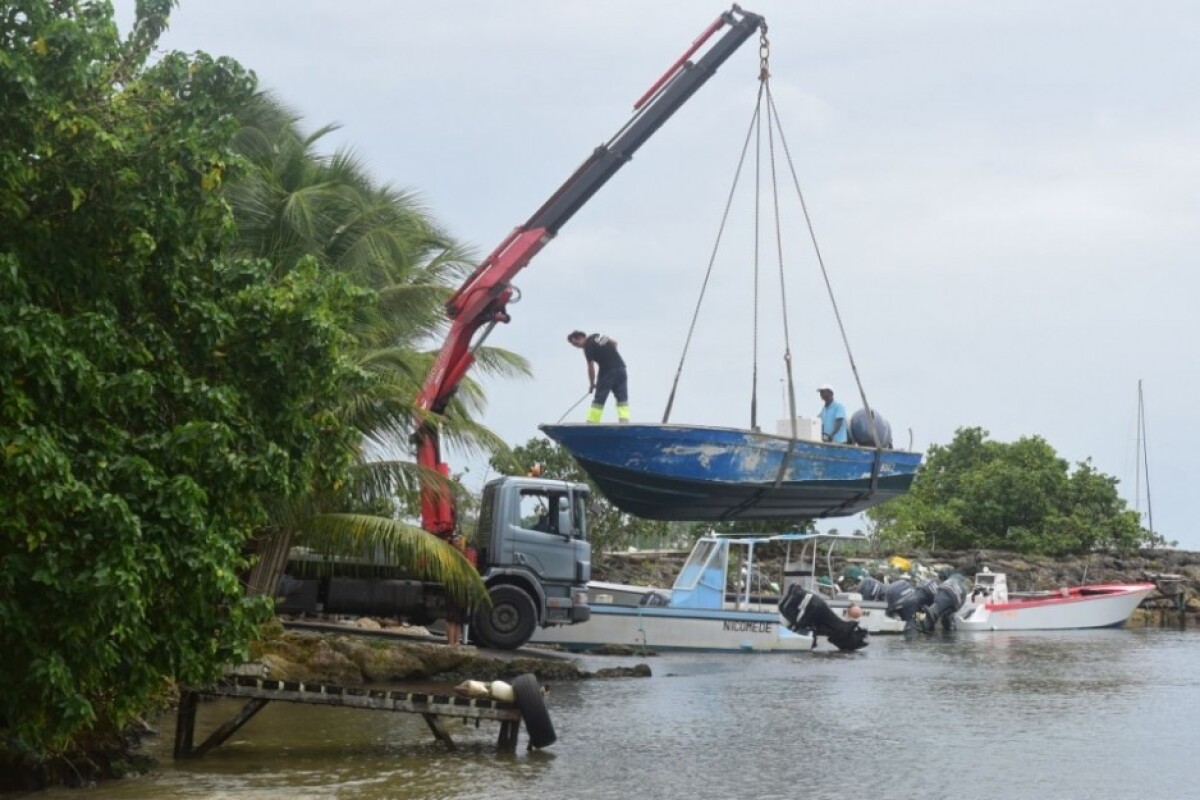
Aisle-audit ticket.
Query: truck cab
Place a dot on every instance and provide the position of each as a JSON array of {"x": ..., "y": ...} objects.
[{"x": 534, "y": 557}]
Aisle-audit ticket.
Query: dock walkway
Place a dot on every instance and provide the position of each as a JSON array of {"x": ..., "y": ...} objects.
[{"x": 260, "y": 691}]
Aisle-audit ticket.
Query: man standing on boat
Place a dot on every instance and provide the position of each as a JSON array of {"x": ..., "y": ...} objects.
[
  {"x": 600, "y": 350},
  {"x": 833, "y": 417}
]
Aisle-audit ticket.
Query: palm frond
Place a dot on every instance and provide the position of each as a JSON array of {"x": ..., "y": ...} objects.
[{"x": 424, "y": 555}]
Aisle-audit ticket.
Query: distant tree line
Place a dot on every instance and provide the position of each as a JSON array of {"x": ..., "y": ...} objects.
[{"x": 1018, "y": 496}]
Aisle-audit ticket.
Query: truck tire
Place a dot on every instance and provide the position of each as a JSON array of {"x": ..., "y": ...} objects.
[
  {"x": 510, "y": 620},
  {"x": 535, "y": 715}
]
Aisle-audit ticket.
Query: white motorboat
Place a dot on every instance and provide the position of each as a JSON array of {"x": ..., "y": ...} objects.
[
  {"x": 719, "y": 602},
  {"x": 991, "y": 607}
]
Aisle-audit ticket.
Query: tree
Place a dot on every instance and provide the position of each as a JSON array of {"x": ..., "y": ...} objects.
[
  {"x": 155, "y": 393},
  {"x": 292, "y": 203},
  {"x": 1020, "y": 496}
]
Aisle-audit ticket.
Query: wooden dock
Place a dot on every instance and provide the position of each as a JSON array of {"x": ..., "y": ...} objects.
[{"x": 260, "y": 691}]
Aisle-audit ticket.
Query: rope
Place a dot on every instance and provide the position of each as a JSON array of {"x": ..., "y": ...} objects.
[
  {"x": 754, "y": 347},
  {"x": 712, "y": 260},
  {"x": 576, "y": 403},
  {"x": 773, "y": 113}
]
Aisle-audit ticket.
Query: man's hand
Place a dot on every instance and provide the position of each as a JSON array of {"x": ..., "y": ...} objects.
[{"x": 825, "y": 437}]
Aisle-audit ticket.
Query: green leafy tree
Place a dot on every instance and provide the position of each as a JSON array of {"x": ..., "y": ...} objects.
[
  {"x": 1019, "y": 496},
  {"x": 155, "y": 394}
]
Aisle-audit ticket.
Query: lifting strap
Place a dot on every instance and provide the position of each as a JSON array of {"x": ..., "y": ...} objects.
[{"x": 765, "y": 110}]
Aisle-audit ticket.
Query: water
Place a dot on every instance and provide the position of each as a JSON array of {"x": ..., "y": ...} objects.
[{"x": 1079, "y": 714}]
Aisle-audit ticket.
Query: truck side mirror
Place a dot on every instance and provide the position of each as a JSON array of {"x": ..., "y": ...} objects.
[{"x": 565, "y": 527}]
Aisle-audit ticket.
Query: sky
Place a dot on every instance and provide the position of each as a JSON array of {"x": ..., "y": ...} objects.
[{"x": 1006, "y": 196}]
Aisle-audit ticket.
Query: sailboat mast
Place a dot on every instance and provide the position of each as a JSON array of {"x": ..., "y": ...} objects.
[{"x": 1143, "y": 461}]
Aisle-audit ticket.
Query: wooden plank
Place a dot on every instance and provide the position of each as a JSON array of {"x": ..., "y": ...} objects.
[
  {"x": 439, "y": 730},
  {"x": 229, "y": 728},
  {"x": 353, "y": 697}
]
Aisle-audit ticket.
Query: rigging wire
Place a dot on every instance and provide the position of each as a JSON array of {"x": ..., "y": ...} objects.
[
  {"x": 774, "y": 125},
  {"x": 712, "y": 260},
  {"x": 754, "y": 340},
  {"x": 773, "y": 113},
  {"x": 1144, "y": 456},
  {"x": 787, "y": 336}
]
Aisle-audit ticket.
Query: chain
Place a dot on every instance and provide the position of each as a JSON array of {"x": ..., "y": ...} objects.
[{"x": 764, "y": 54}]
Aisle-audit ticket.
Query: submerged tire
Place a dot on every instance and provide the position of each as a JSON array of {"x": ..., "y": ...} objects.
[
  {"x": 509, "y": 622},
  {"x": 534, "y": 713}
]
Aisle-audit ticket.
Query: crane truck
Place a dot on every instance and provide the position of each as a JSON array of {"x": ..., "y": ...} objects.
[{"x": 536, "y": 574}]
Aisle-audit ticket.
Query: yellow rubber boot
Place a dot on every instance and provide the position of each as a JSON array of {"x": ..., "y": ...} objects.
[
  {"x": 623, "y": 412},
  {"x": 595, "y": 412}
]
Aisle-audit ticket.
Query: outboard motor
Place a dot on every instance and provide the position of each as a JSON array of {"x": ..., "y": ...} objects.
[
  {"x": 904, "y": 601},
  {"x": 871, "y": 589},
  {"x": 950, "y": 596},
  {"x": 802, "y": 609},
  {"x": 863, "y": 433}
]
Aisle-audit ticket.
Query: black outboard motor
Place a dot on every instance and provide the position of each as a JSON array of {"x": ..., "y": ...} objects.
[
  {"x": 904, "y": 601},
  {"x": 948, "y": 599},
  {"x": 802, "y": 609}
]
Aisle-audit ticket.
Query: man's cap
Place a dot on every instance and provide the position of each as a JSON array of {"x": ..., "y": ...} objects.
[{"x": 824, "y": 387}]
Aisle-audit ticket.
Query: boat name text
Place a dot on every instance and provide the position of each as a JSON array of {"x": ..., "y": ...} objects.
[{"x": 748, "y": 627}]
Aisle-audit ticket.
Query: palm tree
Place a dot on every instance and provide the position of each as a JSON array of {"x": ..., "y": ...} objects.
[{"x": 293, "y": 204}]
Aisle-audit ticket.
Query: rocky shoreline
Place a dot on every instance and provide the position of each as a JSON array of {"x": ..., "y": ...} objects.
[{"x": 357, "y": 657}]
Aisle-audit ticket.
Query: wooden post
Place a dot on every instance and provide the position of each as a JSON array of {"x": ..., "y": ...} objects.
[
  {"x": 185, "y": 724},
  {"x": 229, "y": 728},
  {"x": 508, "y": 736},
  {"x": 439, "y": 730}
]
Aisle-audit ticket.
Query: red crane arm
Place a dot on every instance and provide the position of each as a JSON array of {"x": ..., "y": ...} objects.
[{"x": 483, "y": 298}]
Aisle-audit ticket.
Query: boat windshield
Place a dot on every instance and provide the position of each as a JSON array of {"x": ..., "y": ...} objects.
[{"x": 705, "y": 560}]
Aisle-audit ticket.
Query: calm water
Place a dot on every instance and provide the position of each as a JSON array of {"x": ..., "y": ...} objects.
[{"x": 1082, "y": 714}]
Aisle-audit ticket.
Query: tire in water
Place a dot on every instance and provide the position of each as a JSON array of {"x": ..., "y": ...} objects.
[{"x": 532, "y": 704}]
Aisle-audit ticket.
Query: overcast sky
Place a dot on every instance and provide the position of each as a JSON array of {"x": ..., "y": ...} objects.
[{"x": 1006, "y": 195}]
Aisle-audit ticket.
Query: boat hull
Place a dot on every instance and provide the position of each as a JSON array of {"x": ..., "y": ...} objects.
[
  {"x": 660, "y": 629},
  {"x": 705, "y": 474},
  {"x": 1102, "y": 606}
]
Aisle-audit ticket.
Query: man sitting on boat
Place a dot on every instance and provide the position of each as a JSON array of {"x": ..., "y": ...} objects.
[{"x": 833, "y": 418}]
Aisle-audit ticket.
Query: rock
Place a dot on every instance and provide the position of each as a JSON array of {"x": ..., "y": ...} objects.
[
  {"x": 327, "y": 665},
  {"x": 354, "y": 660},
  {"x": 621, "y": 650},
  {"x": 636, "y": 671}
]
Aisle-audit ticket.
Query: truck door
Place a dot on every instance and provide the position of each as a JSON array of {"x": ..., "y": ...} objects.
[{"x": 543, "y": 533}]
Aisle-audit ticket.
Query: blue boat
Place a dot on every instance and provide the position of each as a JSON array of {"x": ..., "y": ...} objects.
[{"x": 696, "y": 473}]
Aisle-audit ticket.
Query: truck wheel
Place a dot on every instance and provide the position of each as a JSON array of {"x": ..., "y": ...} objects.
[
  {"x": 509, "y": 622},
  {"x": 534, "y": 713}
]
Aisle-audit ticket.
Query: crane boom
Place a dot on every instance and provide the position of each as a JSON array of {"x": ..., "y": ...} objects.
[{"x": 483, "y": 297}]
